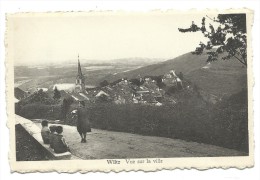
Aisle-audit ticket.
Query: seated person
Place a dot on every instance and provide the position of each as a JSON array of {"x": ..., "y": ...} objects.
[
  {"x": 45, "y": 132},
  {"x": 51, "y": 136},
  {"x": 59, "y": 143}
]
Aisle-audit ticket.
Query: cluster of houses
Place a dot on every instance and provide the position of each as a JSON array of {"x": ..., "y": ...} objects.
[{"x": 124, "y": 91}]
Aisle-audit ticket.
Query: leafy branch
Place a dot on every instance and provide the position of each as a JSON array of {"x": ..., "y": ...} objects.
[{"x": 229, "y": 37}]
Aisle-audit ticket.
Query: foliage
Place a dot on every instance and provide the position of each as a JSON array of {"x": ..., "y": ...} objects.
[
  {"x": 66, "y": 103},
  {"x": 161, "y": 85},
  {"x": 103, "y": 99},
  {"x": 39, "y": 111},
  {"x": 171, "y": 90},
  {"x": 136, "y": 81},
  {"x": 27, "y": 148},
  {"x": 223, "y": 124},
  {"x": 103, "y": 83},
  {"x": 230, "y": 37},
  {"x": 57, "y": 94},
  {"x": 191, "y": 119},
  {"x": 115, "y": 82},
  {"x": 180, "y": 75},
  {"x": 38, "y": 97},
  {"x": 19, "y": 94}
]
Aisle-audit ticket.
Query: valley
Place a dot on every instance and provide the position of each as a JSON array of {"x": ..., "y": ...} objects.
[{"x": 220, "y": 78}]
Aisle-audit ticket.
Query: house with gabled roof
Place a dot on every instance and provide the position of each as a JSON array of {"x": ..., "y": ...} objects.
[
  {"x": 102, "y": 93},
  {"x": 171, "y": 79},
  {"x": 79, "y": 96}
]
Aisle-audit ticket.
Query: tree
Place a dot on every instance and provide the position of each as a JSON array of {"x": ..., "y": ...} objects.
[
  {"x": 103, "y": 98},
  {"x": 136, "y": 82},
  {"x": 230, "y": 37},
  {"x": 66, "y": 106},
  {"x": 181, "y": 75},
  {"x": 56, "y": 95},
  {"x": 161, "y": 85},
  {"x": 103, "y": 83}
]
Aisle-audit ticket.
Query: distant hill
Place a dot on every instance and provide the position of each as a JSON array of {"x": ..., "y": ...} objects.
[
  {"x": 44, "y": 76},
  {"x": 218, "y": 78},
  {"x": 137, "y": 61}
]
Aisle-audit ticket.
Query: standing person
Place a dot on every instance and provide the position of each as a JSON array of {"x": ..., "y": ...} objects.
[
  {"x": 45, "y": 132},
  {"x": 83, "y": 124}
]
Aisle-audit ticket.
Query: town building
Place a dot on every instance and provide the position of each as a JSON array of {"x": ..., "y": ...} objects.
[
  {"x": 80, "y": 80},
  {"x": 171, "y": 79}
]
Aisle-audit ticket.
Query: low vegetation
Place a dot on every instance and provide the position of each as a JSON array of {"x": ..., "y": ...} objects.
[
  {"x": 39, "y": 111},
  {"x": 38, "y": 106},
  {"x": 38, "y": 97},
  {"x": 192, "y": 119},
  {"x": 27, "y": 148},
  {"x": 223, "y": 124}
]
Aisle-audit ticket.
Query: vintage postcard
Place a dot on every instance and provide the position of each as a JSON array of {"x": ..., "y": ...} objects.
[{"x": 127, "y": 91}]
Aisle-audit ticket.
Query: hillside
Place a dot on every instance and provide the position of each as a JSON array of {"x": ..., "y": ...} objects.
[{"x": 218, "y": 78}]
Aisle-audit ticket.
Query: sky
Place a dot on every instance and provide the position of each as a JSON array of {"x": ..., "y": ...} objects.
[{"x": 57, "y": 38}]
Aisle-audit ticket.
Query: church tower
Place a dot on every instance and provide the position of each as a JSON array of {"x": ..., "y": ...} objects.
[{"x": 80, "y": 80}]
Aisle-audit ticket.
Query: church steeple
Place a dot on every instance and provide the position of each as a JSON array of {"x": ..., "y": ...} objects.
[
  {"x": 79, "y": 69},
  {"x": 80, "y": 79}
]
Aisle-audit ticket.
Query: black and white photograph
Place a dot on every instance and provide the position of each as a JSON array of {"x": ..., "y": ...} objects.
[{"x": 130, "y": 89}]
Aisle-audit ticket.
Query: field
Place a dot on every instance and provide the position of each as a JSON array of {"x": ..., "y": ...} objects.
[{"x": 31, "y": 77}]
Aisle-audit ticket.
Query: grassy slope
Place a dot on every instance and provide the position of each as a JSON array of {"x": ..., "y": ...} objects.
[{"x": 222, "y": 78}]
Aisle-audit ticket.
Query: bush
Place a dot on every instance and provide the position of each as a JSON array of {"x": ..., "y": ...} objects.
[
  {"x": 66, "y": 103},
  {"x": 39, "y": 111},
  {"x": 56, "y": 94},
  {"x": 191, "y": 120},
  {"x": 38, "y": 97},
  {"x": 103, "y": 83},
  {"x": 223, "y": 124}
]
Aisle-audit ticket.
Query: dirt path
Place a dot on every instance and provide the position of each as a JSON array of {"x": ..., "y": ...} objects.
[{"x": 103, "y": 144}]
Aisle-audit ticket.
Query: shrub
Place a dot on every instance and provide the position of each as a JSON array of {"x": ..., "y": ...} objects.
[
  {"x": 224, "y": 124},
  {"x": 40, "y": 111},
  {"x": 191, "y": 120},
  {"x": 66, "y": 103},
  {"x": 56, "y": 94},
  {"x": 38, "y": 97},
  {"x": 103, "y": 83}
]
